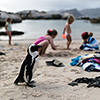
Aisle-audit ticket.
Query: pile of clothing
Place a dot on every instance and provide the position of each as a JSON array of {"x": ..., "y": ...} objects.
[
  {"x": 91, "y": 82},
  {"x": 89, "y": 62}
]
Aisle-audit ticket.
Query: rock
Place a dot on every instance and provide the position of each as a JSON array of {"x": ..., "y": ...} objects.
[
  {"x": 48, "y": 16},
  {"x": 56, "y": 16},
  {"x": 34, "y": 14},
  {"x": 95, "y": 20},
  {"x": 83, "y": 18},
  {"x": 15, "y": 18},
  {"x": 2, "y": 22},
  {"x": 3, "y": 15},
  {"x": 65, "y": 15},
  {"x": 13, "y": 33}
]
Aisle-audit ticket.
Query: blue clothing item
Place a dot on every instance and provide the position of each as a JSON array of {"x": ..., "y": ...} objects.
[
  {"x": 75, "y": 61},
  {"x": 89, "y": 62},
  {"x": 8, "y": 27},
  {"x": 91, "y": 44}
]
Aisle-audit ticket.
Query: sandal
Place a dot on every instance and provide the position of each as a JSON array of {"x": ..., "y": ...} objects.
[{"x": 55, "y": 62}]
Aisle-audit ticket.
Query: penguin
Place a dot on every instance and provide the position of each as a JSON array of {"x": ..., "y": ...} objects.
[{"x": 28, "y": 66}]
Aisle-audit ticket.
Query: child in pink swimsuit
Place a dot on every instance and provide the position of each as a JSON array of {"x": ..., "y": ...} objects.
[
  {"x": 45, "y": 40},
  {"x": 42, "y": 38}
]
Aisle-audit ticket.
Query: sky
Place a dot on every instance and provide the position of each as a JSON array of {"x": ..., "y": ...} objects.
[{"x": 47, "y": 5}]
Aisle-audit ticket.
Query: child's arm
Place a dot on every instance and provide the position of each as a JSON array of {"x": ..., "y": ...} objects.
[
  {"x": 52, "y": 43},
  {"x": 6, "y": 27},
  {"x": 64, "y": 30}
]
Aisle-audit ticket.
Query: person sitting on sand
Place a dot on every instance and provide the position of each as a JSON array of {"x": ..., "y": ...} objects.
[
  {"x": 45, "y": 40},
  {"x": 89, "y": 43},
  {"x": 67, "y": 30}
]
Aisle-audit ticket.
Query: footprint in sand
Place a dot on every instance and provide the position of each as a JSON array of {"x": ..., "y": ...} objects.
[{"x": 60, "y": 54}]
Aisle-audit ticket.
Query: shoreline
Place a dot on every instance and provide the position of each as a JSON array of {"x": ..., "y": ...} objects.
[{"x": 73, "y": 39}]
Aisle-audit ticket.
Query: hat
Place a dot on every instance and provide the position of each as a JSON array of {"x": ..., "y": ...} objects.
[{"x": 84, "y": 35}]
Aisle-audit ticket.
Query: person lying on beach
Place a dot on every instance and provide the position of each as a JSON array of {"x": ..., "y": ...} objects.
[
  {"x": 89, "y": 43},
  {"x": 45, "y": 40},
  {"x": 67, "y": 30}
]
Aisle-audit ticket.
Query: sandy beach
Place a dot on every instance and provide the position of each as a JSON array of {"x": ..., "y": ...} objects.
[{"x": 51, "y": 82}]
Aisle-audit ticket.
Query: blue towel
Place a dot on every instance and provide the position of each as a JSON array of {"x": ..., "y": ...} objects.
[{"x": 74, "y": 61}]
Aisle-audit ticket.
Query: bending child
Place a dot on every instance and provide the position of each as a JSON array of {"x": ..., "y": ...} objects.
[{"x": 45, "y": 40}]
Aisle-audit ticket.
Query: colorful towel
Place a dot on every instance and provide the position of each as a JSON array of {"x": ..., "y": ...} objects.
[{"x": 91, "y": 44}]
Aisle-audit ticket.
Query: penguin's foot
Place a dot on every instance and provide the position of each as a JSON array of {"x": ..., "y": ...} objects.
[
  {"x": 19, "y": 81},
  {"x": 30, "y": 85},
  {"x": 32, "y": 82}
]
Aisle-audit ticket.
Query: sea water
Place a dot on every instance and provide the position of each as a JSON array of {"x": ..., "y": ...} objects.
[{"x": 33, "y": 29}]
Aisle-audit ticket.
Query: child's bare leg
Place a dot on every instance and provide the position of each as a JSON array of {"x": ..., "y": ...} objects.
[
  {"x": 44, "y": 44},
  {"x": 9, "y": 39},
  {"x": 69, "y": 39}
]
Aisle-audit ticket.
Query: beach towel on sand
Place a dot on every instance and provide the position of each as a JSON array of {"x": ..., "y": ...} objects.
[
  {"x": 89, "y": 62},
  {"x": 91, "y": 44}
]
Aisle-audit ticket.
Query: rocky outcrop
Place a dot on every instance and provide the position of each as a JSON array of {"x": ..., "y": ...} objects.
[
  {"x": 65, "y": 15},
  {"x": 95, "y": 20},
  {"x": 34, "y": 14},
  {"x": 13, "y": 33},
  {"x": 2, "y": 22},
  {"x": 3, "y": 15},
  {"x": 83, "y": 18}
]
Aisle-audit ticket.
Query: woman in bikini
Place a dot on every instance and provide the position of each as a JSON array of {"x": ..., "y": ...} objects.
[{"x": 45, "y": 40}]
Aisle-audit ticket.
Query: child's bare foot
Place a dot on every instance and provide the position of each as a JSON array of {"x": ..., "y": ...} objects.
[
  {"x": 44, "y": 55},
  {"x": 68, "y": 49},
  {"x": 10, "y": 44}
]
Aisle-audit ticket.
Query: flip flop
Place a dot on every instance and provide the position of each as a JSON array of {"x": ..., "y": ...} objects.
[{"x": 55, "y": 62}]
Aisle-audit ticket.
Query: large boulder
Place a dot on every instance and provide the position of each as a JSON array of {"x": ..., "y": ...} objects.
[
  {"x": 2, "y": 22},
  {"x": 3, "y": 15},
  {"x": 56, "y": 16},
  {"x": 48, "y": 16},
  {"x": 13, "y": 33},
  {"x": 15, "y": 18},
  {"x": 34, "y": 14},
  {"x": 65, "y": 15},
  {"x": 95, "y": 20}
]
